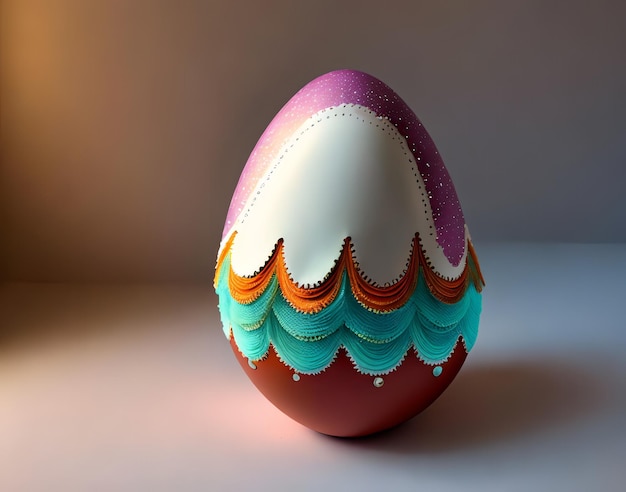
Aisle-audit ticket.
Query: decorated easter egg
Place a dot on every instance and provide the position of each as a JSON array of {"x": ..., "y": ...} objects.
[{"x": 348, "y": 285}]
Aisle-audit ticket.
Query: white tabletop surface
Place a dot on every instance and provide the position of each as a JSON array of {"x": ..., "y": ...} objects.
[{"x": 134, "y": 388}]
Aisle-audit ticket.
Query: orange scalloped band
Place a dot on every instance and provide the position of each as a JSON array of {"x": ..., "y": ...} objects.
[{"x": 377, "y": 298}]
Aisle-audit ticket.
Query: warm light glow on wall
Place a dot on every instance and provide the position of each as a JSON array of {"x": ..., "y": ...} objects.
[{"x": 105, "y": 138}]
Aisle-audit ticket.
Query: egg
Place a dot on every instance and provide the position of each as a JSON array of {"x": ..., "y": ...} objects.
[{"x": 348, "y": 285}]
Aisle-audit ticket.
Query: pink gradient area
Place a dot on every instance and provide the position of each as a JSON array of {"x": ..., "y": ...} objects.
[{"x": 354, "y": 87}]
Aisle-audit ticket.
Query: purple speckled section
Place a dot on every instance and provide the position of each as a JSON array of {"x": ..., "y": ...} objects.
[{"x": 354, "y": 87}]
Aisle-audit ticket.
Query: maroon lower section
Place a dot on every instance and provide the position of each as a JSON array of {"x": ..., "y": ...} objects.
[{"x": 342, "y": 402}]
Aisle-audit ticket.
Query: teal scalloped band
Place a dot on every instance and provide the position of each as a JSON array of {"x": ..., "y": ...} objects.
[{"x": 376, "y": 342}]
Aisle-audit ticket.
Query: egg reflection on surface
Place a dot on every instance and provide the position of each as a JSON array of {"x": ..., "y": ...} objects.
[{"x": 348, "y": 285}]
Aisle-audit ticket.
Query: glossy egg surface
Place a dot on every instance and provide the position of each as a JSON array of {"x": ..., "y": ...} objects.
[{"x": 347, "y": 281}]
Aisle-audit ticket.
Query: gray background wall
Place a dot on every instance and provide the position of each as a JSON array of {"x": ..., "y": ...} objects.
[{"x": 125, "y": 125}]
